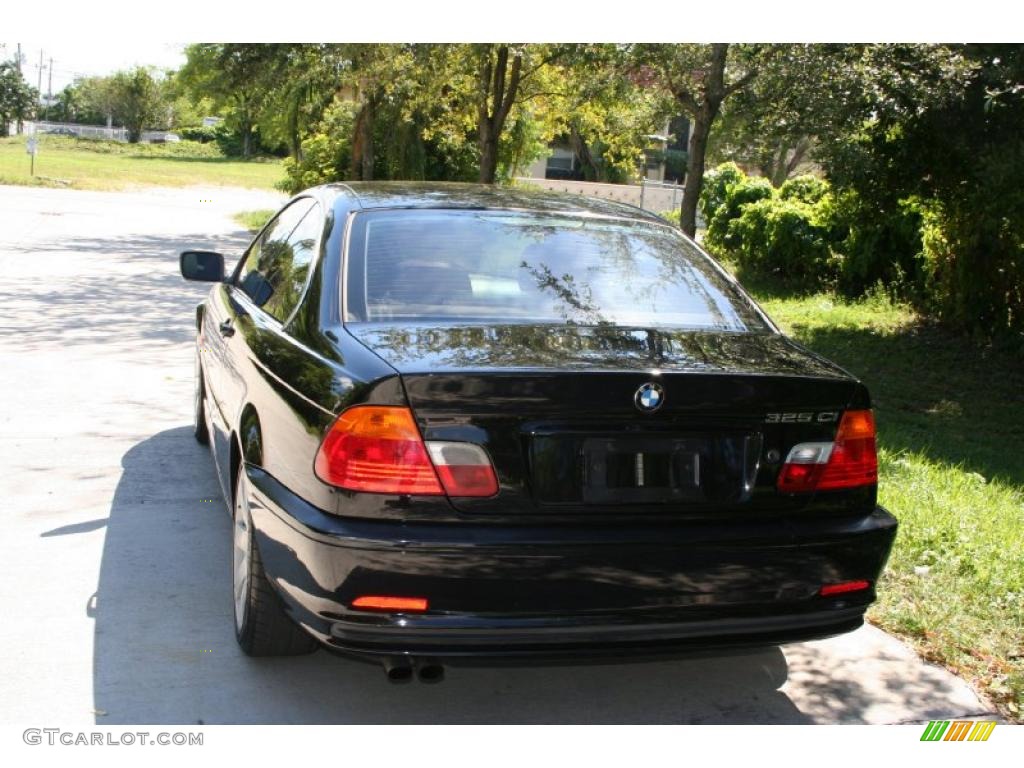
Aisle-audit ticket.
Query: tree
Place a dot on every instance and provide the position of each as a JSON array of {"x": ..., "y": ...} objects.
[
  {"x": 375, "y": 74},
  {"x": 17, "y": 98},
  {"x": 93, "y": 100},
  {"x": 66, "y": 108},
  {"x": 238, "y": 77},
  {"x": 137, "y": 101},
  {"x": 302, "y": 82},
  {"x": 942, "y": 141},
  {"x": 697, "y": 78},
  {"x": 773, "y": 124},
  {"x": 459, "y": 111},
  {"x": 606, "y": 117},
  {"x": 498, "y": 89}
]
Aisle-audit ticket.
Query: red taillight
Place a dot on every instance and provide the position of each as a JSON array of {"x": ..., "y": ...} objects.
[
  {"x": 843, "y": 587},
  {"x": 849, "y": 462},
  {"x": 378, "y": 449},
  {"x": 389, "y": 603},
  {"x": 854, "y": 460}
]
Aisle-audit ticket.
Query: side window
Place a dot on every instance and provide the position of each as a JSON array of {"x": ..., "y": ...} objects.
[
  {"x": 268, "y": 264},
  {"x": 301, "y": 246}
]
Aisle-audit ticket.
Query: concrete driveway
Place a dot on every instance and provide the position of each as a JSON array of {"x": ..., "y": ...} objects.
[{"x": 115, "y": 542}]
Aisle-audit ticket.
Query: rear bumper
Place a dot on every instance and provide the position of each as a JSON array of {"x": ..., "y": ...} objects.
[{"x": 554, "y": 592}]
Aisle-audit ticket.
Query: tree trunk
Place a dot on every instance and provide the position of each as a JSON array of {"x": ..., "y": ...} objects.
[
  {"x": 785, "y": 159},
  {"x": 246, "y": 140},
  {"x": 704, "y": 113},
  {"x": 803, "y": 146},
  {"x": 499, "y": 86},
  {"x": 362, "y": 143},
  {"x": 368, "y": 155},
  {"x": 698, "y": 148},
  {"x": 488, "y": 159},
  {"x": 579, "y": 145},
  {"x": 293, "y": 133}
]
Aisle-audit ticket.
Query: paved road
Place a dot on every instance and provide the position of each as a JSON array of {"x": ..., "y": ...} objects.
[{"x": 115, "y": 543}]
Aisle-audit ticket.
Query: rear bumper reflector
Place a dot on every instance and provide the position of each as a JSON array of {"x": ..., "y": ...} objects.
[
  {"x": 389, "y": 603},
  {"x": 828, "y": 590}
]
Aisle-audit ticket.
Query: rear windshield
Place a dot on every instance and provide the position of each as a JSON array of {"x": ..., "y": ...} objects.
[{"x": 510, "y": 267}]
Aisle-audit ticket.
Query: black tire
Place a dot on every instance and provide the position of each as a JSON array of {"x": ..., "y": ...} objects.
[
  {"x": 199, "y": 429},
  {"x": 262, "y": 627}
]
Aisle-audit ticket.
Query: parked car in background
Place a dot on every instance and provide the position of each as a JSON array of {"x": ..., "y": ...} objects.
[{"x": 459, "y": 422}]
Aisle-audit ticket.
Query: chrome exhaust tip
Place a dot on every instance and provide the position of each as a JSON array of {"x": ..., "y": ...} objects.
[
  {"x": 429, "y": 672},
  {"x": 398, "y": 670}
]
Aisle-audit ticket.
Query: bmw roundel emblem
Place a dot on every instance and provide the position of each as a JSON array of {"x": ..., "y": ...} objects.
[{"x": 649, "y": 397}]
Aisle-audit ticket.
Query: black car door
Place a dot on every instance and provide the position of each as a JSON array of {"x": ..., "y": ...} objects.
[{"x": 259, "y": 299}]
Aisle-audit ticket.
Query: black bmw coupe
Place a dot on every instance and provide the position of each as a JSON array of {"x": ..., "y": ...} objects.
[{"x": 462, "y": 422}]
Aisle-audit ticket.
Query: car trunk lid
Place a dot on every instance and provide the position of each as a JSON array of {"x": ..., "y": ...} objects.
[{"x": 556, "y": 408}]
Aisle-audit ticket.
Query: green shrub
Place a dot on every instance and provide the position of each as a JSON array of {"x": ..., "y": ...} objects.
[
  {"x": 326, "y": 155},
  {"x": 961, "y": 249},
  {"x": 672, "y": 217},
  {"x": 716, "y": 183},
  {"x": 184, "y": 149},
  {"x": 204, "y": 134},
  {"x": 226, "y": 140},
  {"x": 783, "y": 238},
  {"x": 879, "y": 246},
  {"x": 324, "y": 159},
  {"x": 229, "y": 141},
  {"x": 738, "y": 195},
  {"x": 806, "y": 189}
]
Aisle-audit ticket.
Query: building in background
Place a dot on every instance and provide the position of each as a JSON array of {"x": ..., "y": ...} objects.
[{"x": 664, "y": 159}]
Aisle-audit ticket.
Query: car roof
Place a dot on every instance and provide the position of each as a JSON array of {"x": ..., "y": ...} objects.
[{"x": 407, "y": 194}]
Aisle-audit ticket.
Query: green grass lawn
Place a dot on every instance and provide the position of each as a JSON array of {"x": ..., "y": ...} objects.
[
  {"x": 950, "y": 417},
  {"x": 253, "y": 220},
  {"x": 85, "y": 164}
]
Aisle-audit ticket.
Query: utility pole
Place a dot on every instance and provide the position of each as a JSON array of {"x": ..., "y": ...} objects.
[
  {"x": 19, "y": 58},
  {"x": 49, "y": 89},
  {"x": 39, "y": 82}
]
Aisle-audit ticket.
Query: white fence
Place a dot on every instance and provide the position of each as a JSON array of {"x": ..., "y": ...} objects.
[
  {"x": 74, "y": 129},
  {"x": 653, "y": 196},
  {"x": 86, "y": 131}
]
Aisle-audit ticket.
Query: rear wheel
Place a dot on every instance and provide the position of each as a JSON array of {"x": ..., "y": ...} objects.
[
  {"x": 199, "y": 429},
  {"x": 261, "y": 625}
]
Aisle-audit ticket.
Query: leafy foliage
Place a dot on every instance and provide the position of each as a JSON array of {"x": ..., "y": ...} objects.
[
  {"x": 237, "y": 78},
  {"x": 942, "y": 146},
  {"x": 17, "y": 98},
  {"x": 806, "y": 189},
  {"x": 716, "y": 186},
  {"x": 738, "y": 194},
  {"x": 698, "y": 79},
  {"x": 785, "y": 238},
  {"x": 137, "y": 101}
]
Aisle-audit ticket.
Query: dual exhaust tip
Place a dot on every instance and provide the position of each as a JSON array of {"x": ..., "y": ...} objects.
[{"x": 402, "y": 670}]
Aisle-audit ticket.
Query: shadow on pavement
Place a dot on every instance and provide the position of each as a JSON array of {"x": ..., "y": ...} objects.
[
  {"x": 165, "y": 650},
  {"x": 131, "y": 292}
]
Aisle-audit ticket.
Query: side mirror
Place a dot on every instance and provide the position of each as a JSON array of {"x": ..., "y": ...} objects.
[{"x": 205, "y": 266}]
